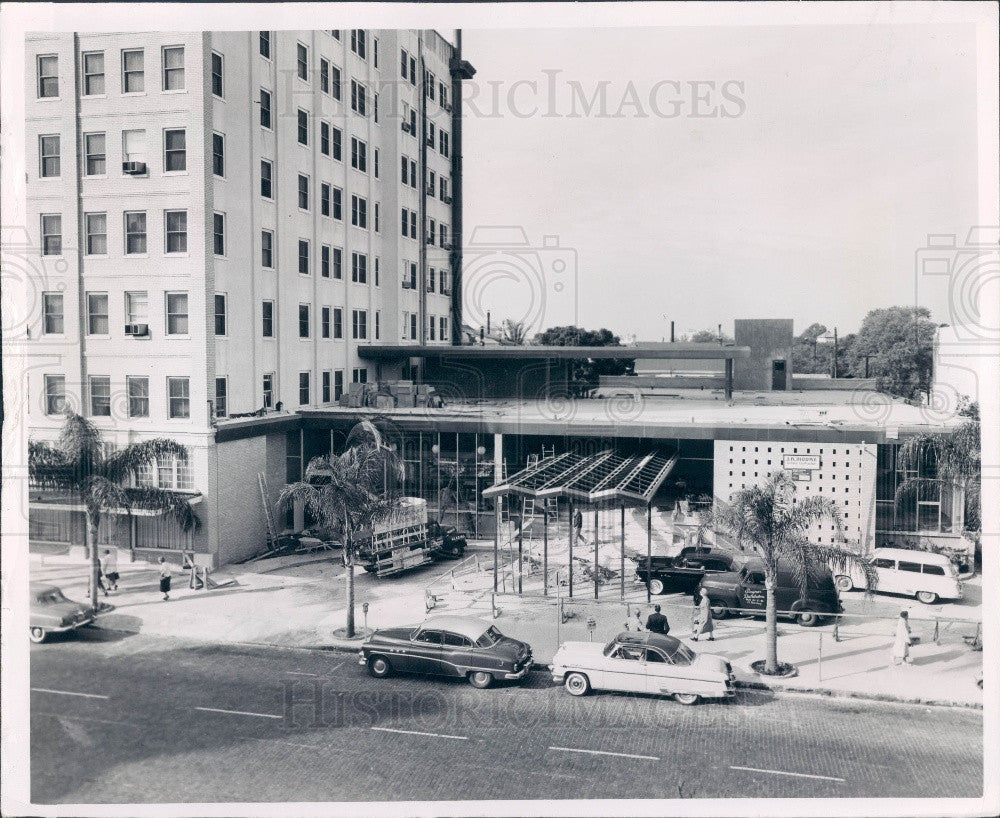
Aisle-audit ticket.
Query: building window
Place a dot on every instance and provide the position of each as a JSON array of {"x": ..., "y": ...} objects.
[
  {"x": 93, "y": 73},
  {"x": 360, "y": 375},
  {"x": 430, "y": 135},
  {"x": 100, "y": 396},
  {"x": 177, "y": 313},
  {"x": 378, "y": 325},
  {"x": 173, "y": 68},
  {"x": 265, "y": 109},
  {"x": 338, "y": 323},
  {"x": 97, "y": 314},
  {"x": 359, "y": 155},
  {"x": 302, "y": 61},
  {"x": 303, "y": 127},
  {"x": 51, "y": 234},
  {"x": 137, "y": 307},
  {"x": 176, "y": 230},
  {"x": 324, "y": 322},
  {"x": 431, "y": 327},
  {"x": 445, "y": 144},
  {"x": 179, "y": 397},
  {"x": 431, "y": 231},
  {"x": 134, "y": 146},
  {"x": 174, "y": 150},
  {"x": 219, "y": 233},
  {"x": 324, "y": 261},
  {"x": 303, "y": 320},
  {"x": 267, "y": 248},
  {"x": 324, "y": 138},
  {"x": 324, "y": 198},
  {"x": 264, "y": 44},
  {"x": 431, "y": 277},
  {"x": 303, "y": 257},
  {"x": 338, "y": 204},
  {"x": 359, "y": 42},
  {"x": 443, "y": 233},
  {"x": 375, "y": 52},
  {"x": 303, "y": 192},
  {"x": 217, "y": 87},
  {"x": 268, "y": 388},
  {"x": 219, "y": 154},
  {"x": 138, "y": 396},
  {"x": 220, "y": 314},
  {"x": 324, "y": 75},
  {"x": 48, "y": 154},
  {"x": 444, "y": 189},
  {"x": 359, "y": 325},
  {"x": 95, "y": 156},
  {"x": 48, "y": 76},
  {"x": 221, "y": 395},
  {"x": 413, "y": 326},
  {"x": 377, "y": 225},
  {"x": 359, "y": 211},
  {"x": 135, "y": 233},
  {"x": 338, "y": 144},
  {"x": 96, "y": 228},
  {"x": 133, "y": 71},
  {"x": 267, "y": 319},
  {"x": 327, "y": 378},
  {"x": 443, "y": 323},
  {"x": 338, "y": 263},
  {"x": 55, "y": 394},
  {"x": 338, "y": 384},
  {"x": 52, "y": 314},
  {"x": 359, "y": 100},
  {"x": 359, "y": 268},
  {"x": 265, "y": 178},
  {"x": 375, "y": 169},
  {"x": 304, "y": 389},
  {"x": 377, "y": 282}
]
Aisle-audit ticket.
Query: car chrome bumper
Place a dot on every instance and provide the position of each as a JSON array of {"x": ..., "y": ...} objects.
[
  {"x": 362, "y": 659},
  {"x": 70, "y": 627},
  {"x": 520, "y": 674}
]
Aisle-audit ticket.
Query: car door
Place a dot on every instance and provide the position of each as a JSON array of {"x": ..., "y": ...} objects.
[
  {"x": 888, "y": 577},
  {"x": 426, "y": 652},
  {"x": 457, "y": 654},
  {"x": 908, "y": 574},
  {"x": 625, "y": 669},
  {"x": 664, "y": 678}
]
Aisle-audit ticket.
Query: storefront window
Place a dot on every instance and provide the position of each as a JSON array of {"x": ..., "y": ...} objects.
[{"x": 929, "y": 509}]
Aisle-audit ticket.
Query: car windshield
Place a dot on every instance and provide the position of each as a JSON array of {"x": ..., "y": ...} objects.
[
  {"x": 489, "y": 638},
  {"x": 51, "y": 597},
  {"x": 610, "y": 647},
  {"x": 680, "y": 654}
]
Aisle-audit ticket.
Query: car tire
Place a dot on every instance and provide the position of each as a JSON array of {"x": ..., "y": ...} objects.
[
  {"x": 687, "y": 698},
  {"x": 719, "y": 609},
  {"x": 379, "y": 667},
  {"x": 480, "y": 679},
  {"x": 577, "y": 684},
  {"x": 656, "y": 587},
  {"x": 927, "y": 597},
  {"x": 844, "y": 583},
  {"x": 808, "y": 619},
  {"x": 37, "y": 635}
]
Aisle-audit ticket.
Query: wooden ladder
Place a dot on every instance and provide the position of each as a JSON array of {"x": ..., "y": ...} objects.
[{"x": 268, "y": 518}]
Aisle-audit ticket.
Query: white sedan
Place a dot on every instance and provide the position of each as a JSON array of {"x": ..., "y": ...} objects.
[{"x": 643, "y": 662}]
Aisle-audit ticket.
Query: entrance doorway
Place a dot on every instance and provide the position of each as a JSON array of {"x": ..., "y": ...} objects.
[{"x": 778, "y": 375}]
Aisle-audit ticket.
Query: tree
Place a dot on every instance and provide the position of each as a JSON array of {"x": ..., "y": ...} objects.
[
  {"x": 588, "y": 370},
  {"x": 953, "y": 458},
  {"x": 82, "y": 464},
  {"x": 514, "y": 333},
  {"x": 899, "y": 343},
  {"x": 707, "y": 336},
  {"x": 766, "y": 518},
  {"x": 349, "y": 494}
]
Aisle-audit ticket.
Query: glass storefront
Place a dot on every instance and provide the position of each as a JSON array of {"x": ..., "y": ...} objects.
[{"x": 929, "y": 509}]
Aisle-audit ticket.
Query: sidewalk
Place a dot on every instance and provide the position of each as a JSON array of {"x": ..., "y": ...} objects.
[{"x": 298, "y": 601}]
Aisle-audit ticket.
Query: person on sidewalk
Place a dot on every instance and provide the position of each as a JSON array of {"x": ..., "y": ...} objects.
[
  {"x": 109, "y": 564},
  {"x": 578, "y": 526},
  {"x": 100, "y": 578},
  {"x": 164, "y": 579},
  {"x": 657, "y": 622},
  {"x": 903, "y": 640},
  {"x": 702, "y": 622}
]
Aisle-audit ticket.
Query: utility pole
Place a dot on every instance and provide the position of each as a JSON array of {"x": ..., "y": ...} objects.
[{"x": 834, "y": 353}]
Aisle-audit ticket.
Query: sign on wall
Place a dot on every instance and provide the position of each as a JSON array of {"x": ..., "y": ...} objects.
[{"x": 800, "y": 461}]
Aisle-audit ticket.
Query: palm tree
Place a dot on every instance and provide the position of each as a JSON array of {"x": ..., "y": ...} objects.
[
  {"x": 349, "y": 493},
  {"x": 103, "y": 480},
  {"x": 956, "y": 459},
  {"x": 766, "y": 518},
  {"x": 514, "y": 333}
]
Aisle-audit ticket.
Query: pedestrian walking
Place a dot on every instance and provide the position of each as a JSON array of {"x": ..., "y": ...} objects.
[
  {"x": 578, "y": 526},
  {"x": 100, "y": 579},
  {"x": 657, "y": 622},
  {"x": 702, "y": 621},
  {"x": 164, "y": 579},
  {"x": 109, "y": 564},
  {"x": 903, "y": 640}
]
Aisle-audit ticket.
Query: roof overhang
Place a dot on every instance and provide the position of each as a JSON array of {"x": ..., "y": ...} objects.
[
  {"x": 39, "y": 502},
  {"x": 695, "y": 352}
]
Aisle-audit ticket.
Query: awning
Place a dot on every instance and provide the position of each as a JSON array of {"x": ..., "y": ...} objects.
[
  {"x": 65, "y": 503},
  {"x": 605, "y": 478}
]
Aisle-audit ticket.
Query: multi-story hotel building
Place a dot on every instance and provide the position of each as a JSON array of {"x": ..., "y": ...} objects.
[{"x": 222, "y": 219}]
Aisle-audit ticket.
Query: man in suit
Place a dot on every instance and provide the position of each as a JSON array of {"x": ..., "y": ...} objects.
[{"x": 657, "y": 622}]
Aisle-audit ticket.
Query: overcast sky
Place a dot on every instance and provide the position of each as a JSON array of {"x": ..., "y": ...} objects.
[{"x": 831, "y": 156}]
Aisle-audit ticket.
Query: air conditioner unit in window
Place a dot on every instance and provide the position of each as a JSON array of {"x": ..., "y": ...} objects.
[
  {"x": 405, "y": 126},
  {"x": 134, "y": 168},
  {"x": 446, "y": 199},
  {"x": 406, "y": 283},
  {"x": 430, "y": 141},
  {"x": 446, "y": 106},
  {"x": 137, "y": 330}
]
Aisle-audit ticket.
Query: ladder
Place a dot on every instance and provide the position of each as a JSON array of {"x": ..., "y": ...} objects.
[{"x": 268, "y": 518}]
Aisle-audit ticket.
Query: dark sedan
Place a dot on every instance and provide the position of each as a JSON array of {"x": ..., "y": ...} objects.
[
  {"x": 51, "y": 612},
  {"x": 458, "y": 646},
  {"x": 683, "y": 572}
]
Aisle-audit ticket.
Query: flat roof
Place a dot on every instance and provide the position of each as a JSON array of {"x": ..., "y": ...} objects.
[{"x": 700, "y": 352}]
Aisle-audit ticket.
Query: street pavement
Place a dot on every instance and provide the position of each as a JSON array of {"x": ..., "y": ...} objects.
[{"x": 120, "y": 717}]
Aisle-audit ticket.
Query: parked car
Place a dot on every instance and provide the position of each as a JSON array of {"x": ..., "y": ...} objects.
[
  {"x": 52, "y": 612},
  {"x": 923, "y": 574},
  {"x": 643, "y": 662},
  {"x": 461, "y": 646},
  {"x": 683, "y": 572},
  {"x": 742, "y": 591}
]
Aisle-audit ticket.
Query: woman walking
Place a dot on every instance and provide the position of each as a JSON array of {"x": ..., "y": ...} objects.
[
  {"x": 904, "y": 638},
  {"x": 164, "y": 579},
  {"x": 702, "y": 621}
]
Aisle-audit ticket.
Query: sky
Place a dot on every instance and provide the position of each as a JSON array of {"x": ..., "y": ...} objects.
[{"x": 770, "y": 171}]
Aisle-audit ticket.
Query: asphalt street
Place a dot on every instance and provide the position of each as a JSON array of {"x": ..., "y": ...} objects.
[{"x": 121, "y": 718}]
